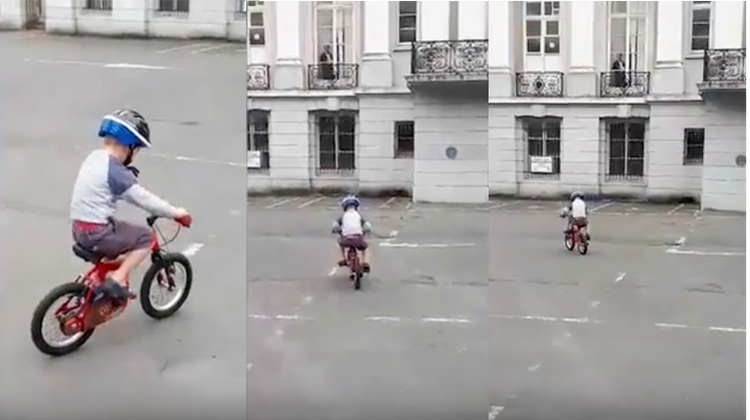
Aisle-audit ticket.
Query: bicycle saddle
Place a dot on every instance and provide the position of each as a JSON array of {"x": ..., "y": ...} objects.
[{"x": 88, "y": 255}]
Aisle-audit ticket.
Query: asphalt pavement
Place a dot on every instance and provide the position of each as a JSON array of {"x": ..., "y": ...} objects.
[
  {"x": 412, "y": 344},
  {"x": 54, "y": 92},
  {"x": 649, "y": 325}
]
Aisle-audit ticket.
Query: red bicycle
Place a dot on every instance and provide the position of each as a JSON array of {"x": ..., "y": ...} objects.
[
  {"x": 356, "y": 271},
  {"x": 78, "y": 316},
  {"x": 574, "y": 238}
]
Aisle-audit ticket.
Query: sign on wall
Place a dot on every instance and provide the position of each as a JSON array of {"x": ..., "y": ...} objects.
[
  {"x": 541, "y": 164},
  {"x": 253, "y": 159}
]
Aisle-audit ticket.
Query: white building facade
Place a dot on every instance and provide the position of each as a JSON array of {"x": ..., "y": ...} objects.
[
  {"x": 369, "y": 97},
  {"x": 219, "y": 19},
  {"x": 640, "y": 99}
]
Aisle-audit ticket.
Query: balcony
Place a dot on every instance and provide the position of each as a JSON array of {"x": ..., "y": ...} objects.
[
  {"x": 539, "y": 85},
  {"x": 257, "y": 77},
  {"x": 624, "y": 84},
  {"x": 332, "y": 76},
  {"x": 723, "y": 70},
  {"x": 451, "y": 61}
]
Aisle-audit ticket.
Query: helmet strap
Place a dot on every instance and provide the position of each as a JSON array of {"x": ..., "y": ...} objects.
[{"x": 129, "y": 158}]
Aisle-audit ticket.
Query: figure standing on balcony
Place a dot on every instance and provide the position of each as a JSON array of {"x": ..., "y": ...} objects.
[
  {"x": 619, "y": 78},
  {"x": 326, "y": 64}
]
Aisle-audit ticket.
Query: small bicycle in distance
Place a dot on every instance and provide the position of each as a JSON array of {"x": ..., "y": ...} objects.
[
  {"x": 574, "y": 238},
  {"x": 78, "y": 316}
]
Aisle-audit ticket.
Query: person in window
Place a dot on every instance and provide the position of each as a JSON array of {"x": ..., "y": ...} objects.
[
  {"x": 619, "y": 77},
  {"x": 326, "y": 64}
]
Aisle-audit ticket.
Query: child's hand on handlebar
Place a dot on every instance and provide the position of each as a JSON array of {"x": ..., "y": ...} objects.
[{"x": 183, "y": 218}]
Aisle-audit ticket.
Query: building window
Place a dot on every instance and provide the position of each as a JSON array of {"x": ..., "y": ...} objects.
[
  {"x": 542, "y": 27},
  {"x": 626, "y": 141},
  {"x": 407, "y": 21},
  {"x": 700, "y": 29},
  {"x": 336, "y": 137},
  {"x": 333, "y": 20},
  {"x": 542, "y": 145},
  {"x": 404, "y": 133},
  {"x": 105, "y": 5},
  {"x": 258, "y": 156},
  {"x": 694, "y": 139},
  {"x": 174, "y": 6},
  {"x": 256, "y": 30},
  {"x": 627, "y": 36}
]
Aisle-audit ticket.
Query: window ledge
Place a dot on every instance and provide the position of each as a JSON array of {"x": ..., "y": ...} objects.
[{"x": 403, "y": 46}]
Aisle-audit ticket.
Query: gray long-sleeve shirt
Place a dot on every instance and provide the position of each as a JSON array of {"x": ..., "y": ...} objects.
[{"x": 103, "y": 181}]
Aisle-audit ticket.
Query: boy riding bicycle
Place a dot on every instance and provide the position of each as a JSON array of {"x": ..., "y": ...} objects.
[
  {"x": 577, "y": 214},
  {"x": 105, "y": 178},
  {"x": 351, "y": 227}
]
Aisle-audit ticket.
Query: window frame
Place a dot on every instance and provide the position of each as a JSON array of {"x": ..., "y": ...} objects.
[
  {"x": 700, "y": 5},
  {"x": 98, "y": 5},
  {"x": 399, "y": 15},
  {"x": 687, "y": 158},
  {"x": 398, "y": 151},
  {"x": 263, "y": 117},
  {"x": 542, "y": 18},
  {"x": 337, "y": 167},
  {"x": 627, "y": 141},
  {"x": 348, "y": 45},
  {"x": 545, "y": 124},
  {"x": 253, "y": 7},
  {"x": 642, "y": 57},
  {"x": 174, "y": 9}
]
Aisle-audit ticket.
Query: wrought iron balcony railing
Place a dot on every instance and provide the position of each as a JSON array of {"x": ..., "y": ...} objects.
[
  {"x": 449, "y": 59},
  {"x": 613, "y": 84},
  {"x": 327, "y": 76},
  {"x": 539, "y": 84},
  {"x": 258, "y": 77},
  {"x": 724, "y": 67}
]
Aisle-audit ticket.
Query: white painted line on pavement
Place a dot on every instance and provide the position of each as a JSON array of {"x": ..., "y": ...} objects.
[
  {"x": 704, "y": 253},
  {"x": 179, "y": 48},
  {"x": 234, "y": 213},
  {"x": 495, "y": 411},
  {"x": 675, "y": 210},
  {"x": 133, "y": 66},
  {"x": 198, "y": 160},
  {"x": 501, "y": 205},
  {"x": 546, "y": 319},
  {"x": 447, "y": 320},
  {"x": 311, "y": 202},
  {"x": 333, "y": 271},
  {"x": 602, "y": 206},
  {"x": 680, "y": 241},
  {"x": 534, "y": 368},
  {"x": 688, "y": 327},
  {"x": 281, "y": 203},
  {"x": 383, "y": 319},
  {"x": 207, "y": 49},
  {"x": 387, "y": 203},
  {"x": 192, "y": 249},
  {"x": 620, "y": 277},
  {"x": 595, "y": 304},
  {"x": 412, "y": 246}
]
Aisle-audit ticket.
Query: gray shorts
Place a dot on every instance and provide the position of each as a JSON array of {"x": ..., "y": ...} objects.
[{"x": 113, "y": 239}]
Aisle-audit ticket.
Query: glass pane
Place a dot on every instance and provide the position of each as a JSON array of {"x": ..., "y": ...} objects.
[
  {"x": 635, "y": 150},
  {"x": 534, "y": 129},
  {"x": 551, "y": 8},
  {"x": 256, "y": 19},
  {"x": 617, "y": 132},
  {"x": 700, "y": 29},
  {"x": 553, "y": 130},
  {"x": 325, "y": 37},
  {"x": 553, "y": 27},
  {"x": 619, "y": 6},
  {"x": 553, "y": 147},
  {"x": 533, "y": 8},
  {"x": 552, "y": 45},
  {"x": 407, "y": 22},
  {"x": 325, "y": 18},
  {"x": 699, "y": 44},
  {"x": 533, "y": 28},
  {"x": 536, "y": 147},
  {"x": 407, "y": 7},
  {"x": 637, "y": 7},
  {"x": 618, "y": 46},
  {"x": 618, "y": 27},
  {"x": 407, "y": 35},
  {"x": 534, "y": 45},
  {"x": 617, "y": 149},
  {"x": 702, "y": 15},
  {"x": 635, "y": 167},
  {"x": 636, "y": 131}
]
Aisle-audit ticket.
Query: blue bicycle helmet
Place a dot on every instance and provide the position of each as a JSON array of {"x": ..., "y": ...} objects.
[
  {"x": 576, "y": 194},
  {"x": 350, "y": 201},
  {"x": 127, "y": 127}
]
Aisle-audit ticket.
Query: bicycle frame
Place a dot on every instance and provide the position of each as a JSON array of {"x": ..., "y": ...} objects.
[{"x": 352, "y": 259}]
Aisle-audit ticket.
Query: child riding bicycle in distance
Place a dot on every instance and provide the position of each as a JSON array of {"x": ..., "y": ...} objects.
[
  {"x": 577, "y": 214},
  {"x": 105, "y": 178},
  {"x": 351, "y": 227}
]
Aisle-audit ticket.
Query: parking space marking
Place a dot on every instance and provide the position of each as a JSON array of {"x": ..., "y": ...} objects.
[
  {"x": 209, "y": 48},
  {"x": 601, "y": 206},
  {"x": 676, "y": 209},
  {"x": 413, "y": 246},
  {"x": 311, "y": 202},
  {"x": 495, "y": 411},
  {"x": 387, "y": 203},
  {"x": 680, "y": 251},
  {"x": 179, "y": 48},
  {"x": 501, "y": 205},
  {"x": 192, "y": 249},
  {"x": 281, "y": 203}
]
